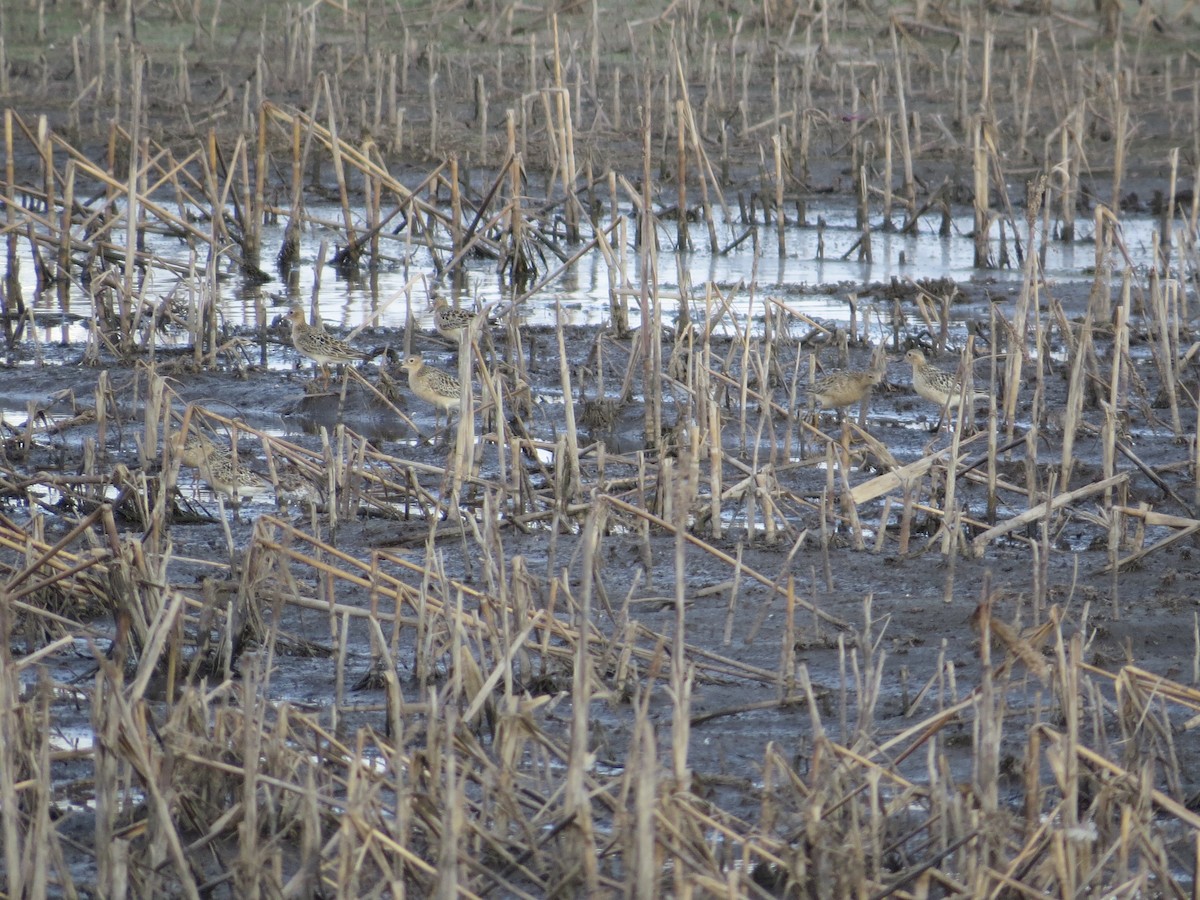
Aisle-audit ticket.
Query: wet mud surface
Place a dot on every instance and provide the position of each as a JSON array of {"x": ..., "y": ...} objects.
[
  {"x": 909, "y": 612},
  {"x": 823, "y": 609}
]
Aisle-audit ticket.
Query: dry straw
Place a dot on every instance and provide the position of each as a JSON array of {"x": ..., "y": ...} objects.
[{"x": 496, "y": 722}]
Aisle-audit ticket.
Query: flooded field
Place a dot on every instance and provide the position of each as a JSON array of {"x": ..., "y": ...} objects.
[{"x": 625, "y": 590}]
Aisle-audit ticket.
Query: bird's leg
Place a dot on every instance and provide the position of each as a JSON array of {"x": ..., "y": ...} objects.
[
  {"x": 437, "y": 418},
  {"x": 445, "y": 441},
  {"x": 846, "y": 436},
  {"x": 345, "y": 385},
  {"x": 943, "y": 416},
  {"x": 221, "y": 508}
]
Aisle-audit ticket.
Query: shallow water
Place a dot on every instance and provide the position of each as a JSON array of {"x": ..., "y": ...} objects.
[{"x": 745, "y": 275}]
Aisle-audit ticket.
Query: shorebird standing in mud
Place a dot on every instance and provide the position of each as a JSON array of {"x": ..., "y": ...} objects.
[
  {"x": 314, "y": 342},
  {"x": 938, "y": 386}
]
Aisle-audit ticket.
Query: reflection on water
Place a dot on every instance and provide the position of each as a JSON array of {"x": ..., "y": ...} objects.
[
  {"x": 365, "y": 413},
  {"x": 402, "y": 284}
]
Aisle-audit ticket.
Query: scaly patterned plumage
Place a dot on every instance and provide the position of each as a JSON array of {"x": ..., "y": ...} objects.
[
  {"x": 225, "y": 478},
  {"x": 845, "y": 388},
  {"x": 293, "y": 486},
  {"x": 938, "y": 386},
  {"x": 194, "y": 450},
  {"x": 432, "y": 385},
  {"x": 314, "y": 342},
  {"x": 216, "y": 467},
  {"x": 600, "y": 414},
  {"x": 389, "y": 388},
  {"x": 451, "y": 321}
]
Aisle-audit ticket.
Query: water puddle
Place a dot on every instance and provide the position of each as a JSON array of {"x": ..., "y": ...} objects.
[{"x": 404, "y": 282}]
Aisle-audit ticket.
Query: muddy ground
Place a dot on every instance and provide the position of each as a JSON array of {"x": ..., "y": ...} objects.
[
  {"x": 920, "y": 603},
  {"x": 909, "y": 613}
]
